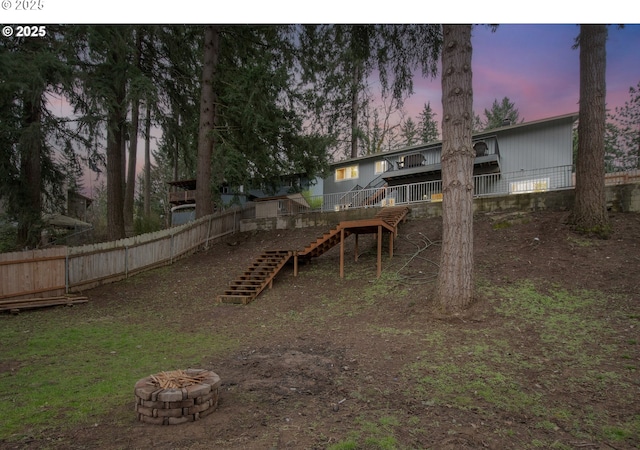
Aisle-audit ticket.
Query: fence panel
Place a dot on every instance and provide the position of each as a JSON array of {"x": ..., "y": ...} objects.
[{"x": 33, "y": 273}]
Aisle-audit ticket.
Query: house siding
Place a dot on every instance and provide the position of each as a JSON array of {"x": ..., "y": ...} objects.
[{"x": 524, "y": 147}]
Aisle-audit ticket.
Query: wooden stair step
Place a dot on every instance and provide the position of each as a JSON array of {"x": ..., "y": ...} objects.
[{"x": 238, "y": 299}]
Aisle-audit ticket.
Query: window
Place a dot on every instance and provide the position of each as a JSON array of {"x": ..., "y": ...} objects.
[
  {"x": 521, "y": 187},
  {"x": 381, "y": 166},
  {"x": 347, "y": 173}
]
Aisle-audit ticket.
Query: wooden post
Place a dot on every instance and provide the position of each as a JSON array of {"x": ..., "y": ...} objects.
[
  {"x": 379, "y": 250},
  {"x": 295, "y": 263},
  {"x": 356, "y": 251},
  {"x": 391, "y": 236},
  {"x": 342, "y": 253}
]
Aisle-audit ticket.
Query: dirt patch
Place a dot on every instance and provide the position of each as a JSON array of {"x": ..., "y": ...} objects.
[{"x": 319, "y": 365}]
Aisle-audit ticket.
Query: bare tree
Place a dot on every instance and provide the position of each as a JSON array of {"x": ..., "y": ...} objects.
[
  {"x": 589, "y": 211},
  {"x": 455, "y": 278}
]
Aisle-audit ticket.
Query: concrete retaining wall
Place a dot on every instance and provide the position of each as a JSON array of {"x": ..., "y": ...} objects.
[{"x": 620, "y": 198}]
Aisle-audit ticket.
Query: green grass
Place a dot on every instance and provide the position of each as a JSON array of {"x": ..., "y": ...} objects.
[
  {"x": 371, "y": 435},
  {"x": 68, "y": 373},
  {"x": 486, "y": 372},
  {"x": 78, "y": 373}
]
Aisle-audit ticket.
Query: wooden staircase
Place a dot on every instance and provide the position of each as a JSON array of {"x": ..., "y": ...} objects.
[
  {"x": 323, "y": 243},
  {"x": 256, "y": 278},
  {"x": 262, "y": 271},
  {"x": 393, "y": 215}
]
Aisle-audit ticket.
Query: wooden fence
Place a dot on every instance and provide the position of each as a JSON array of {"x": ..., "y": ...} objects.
[
  {"x": 62, "y": 270},
  {"x": 631, "y": 176}
]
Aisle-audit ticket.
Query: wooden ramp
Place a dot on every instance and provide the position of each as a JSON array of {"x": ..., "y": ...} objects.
[{"x": 266, "y": 266}]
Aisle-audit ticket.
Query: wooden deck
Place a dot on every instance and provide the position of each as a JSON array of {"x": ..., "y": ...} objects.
[{"x": 260, "y": 274}]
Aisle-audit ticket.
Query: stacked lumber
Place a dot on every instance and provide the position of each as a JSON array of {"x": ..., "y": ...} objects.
[{"x": 15, "y": 305}]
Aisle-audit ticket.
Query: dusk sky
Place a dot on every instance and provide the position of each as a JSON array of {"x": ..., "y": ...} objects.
[
  {"x": 534, "y": 65},
  {"x": 537, "y": 69}
]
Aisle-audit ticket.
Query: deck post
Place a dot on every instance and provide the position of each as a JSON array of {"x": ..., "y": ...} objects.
[
  {"x": 379, "y": 250},
  {"x": 342, "y": 253},
  {"x": 391, "y": 236},
  {"x": 355, "y": 258},
  {"x": 295, "y": 263}
]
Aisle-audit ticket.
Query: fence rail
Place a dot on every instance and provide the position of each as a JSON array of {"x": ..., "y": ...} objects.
[{"x": 56, "y": 271}]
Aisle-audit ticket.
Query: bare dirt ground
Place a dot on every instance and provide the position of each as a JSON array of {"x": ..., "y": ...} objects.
[{"x": 322, "y": 360}]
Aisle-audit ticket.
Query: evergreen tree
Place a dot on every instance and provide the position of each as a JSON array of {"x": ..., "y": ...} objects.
[
  {"x": 208, "y": 119},
  {"x": 501, "y": 114},
  {"x": 31, "y": 174},
  {"x": 455, "y": 278},
  {"x": 409, "y": 132},
  {"x": 338, "y": 59},
  {"x": 428, "y": 127},
  {"x": 589, "y": 213}
]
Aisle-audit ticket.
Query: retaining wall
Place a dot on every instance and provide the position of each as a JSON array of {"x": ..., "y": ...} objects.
[{"x": 620, "y": 198}]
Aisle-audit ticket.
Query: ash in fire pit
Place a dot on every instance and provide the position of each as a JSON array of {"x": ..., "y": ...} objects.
[{"x": 178, "y": 396}]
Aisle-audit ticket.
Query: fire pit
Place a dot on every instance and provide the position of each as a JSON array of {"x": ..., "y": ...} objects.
[{"x": 178, "y": 396}]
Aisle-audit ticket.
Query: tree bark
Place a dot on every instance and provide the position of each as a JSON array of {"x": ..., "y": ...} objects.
[
  {"x": 206, "y": 139},
  {"x": 147, "y": 164},
  {"x": 29, "y": 219},
  {"x": 116, "y": 123},
  {"x": 590, "y": 209},
  {"x": 130, "y": 187},
  {"x": 455, "y": 278},
  {"x": 355, "y": 110}
]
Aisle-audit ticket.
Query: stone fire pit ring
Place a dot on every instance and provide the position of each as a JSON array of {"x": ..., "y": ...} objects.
[{"x": 171, "y": 398}]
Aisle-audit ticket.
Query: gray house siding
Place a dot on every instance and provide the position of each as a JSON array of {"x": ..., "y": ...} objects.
[{"x": 520, "y": 157}]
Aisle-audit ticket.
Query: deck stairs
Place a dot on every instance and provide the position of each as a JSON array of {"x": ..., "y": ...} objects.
[
  {"x": 260, "y": 274},
  {"x": 324, "y": 243}
]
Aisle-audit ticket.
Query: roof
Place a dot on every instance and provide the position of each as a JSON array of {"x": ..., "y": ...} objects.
[
  {"x": 298, "y": 198},
  {"x": 569, "y": 118},
  {"x": 58, "y": 220},
  {"x": 189, "y": 185}
]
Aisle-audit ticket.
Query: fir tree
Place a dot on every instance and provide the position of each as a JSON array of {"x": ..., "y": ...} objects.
[
  {"x": 428, "y": 127},
  {"x": 501, "y": 114}
]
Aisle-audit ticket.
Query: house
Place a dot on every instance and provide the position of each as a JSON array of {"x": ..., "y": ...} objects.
[
  {"x": 281, "y": 205},
  {"x": 78, "y": 205},
  {"x": 523, "y": 157},
  {"x": 183, "y": 192},
  {"x": 283, "y": 199}
]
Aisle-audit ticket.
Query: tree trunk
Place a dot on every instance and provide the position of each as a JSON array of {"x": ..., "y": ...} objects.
[
  {"x": 116, "y": 122},
  {"x": 355, "y": 109},
  {"x": 455, "y": 278},
  {"x": 147, "y": 164},
  {"x": 130, "y": 186},
  {"x": 130, "y": 189},
  {"x": 29, "y": 219},
  {"x": 590, "y": 208},
  {"x": 206, "y": 140}
]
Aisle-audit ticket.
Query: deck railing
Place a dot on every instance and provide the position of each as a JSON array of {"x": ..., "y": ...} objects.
[{"x": 538, "y": 180}]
